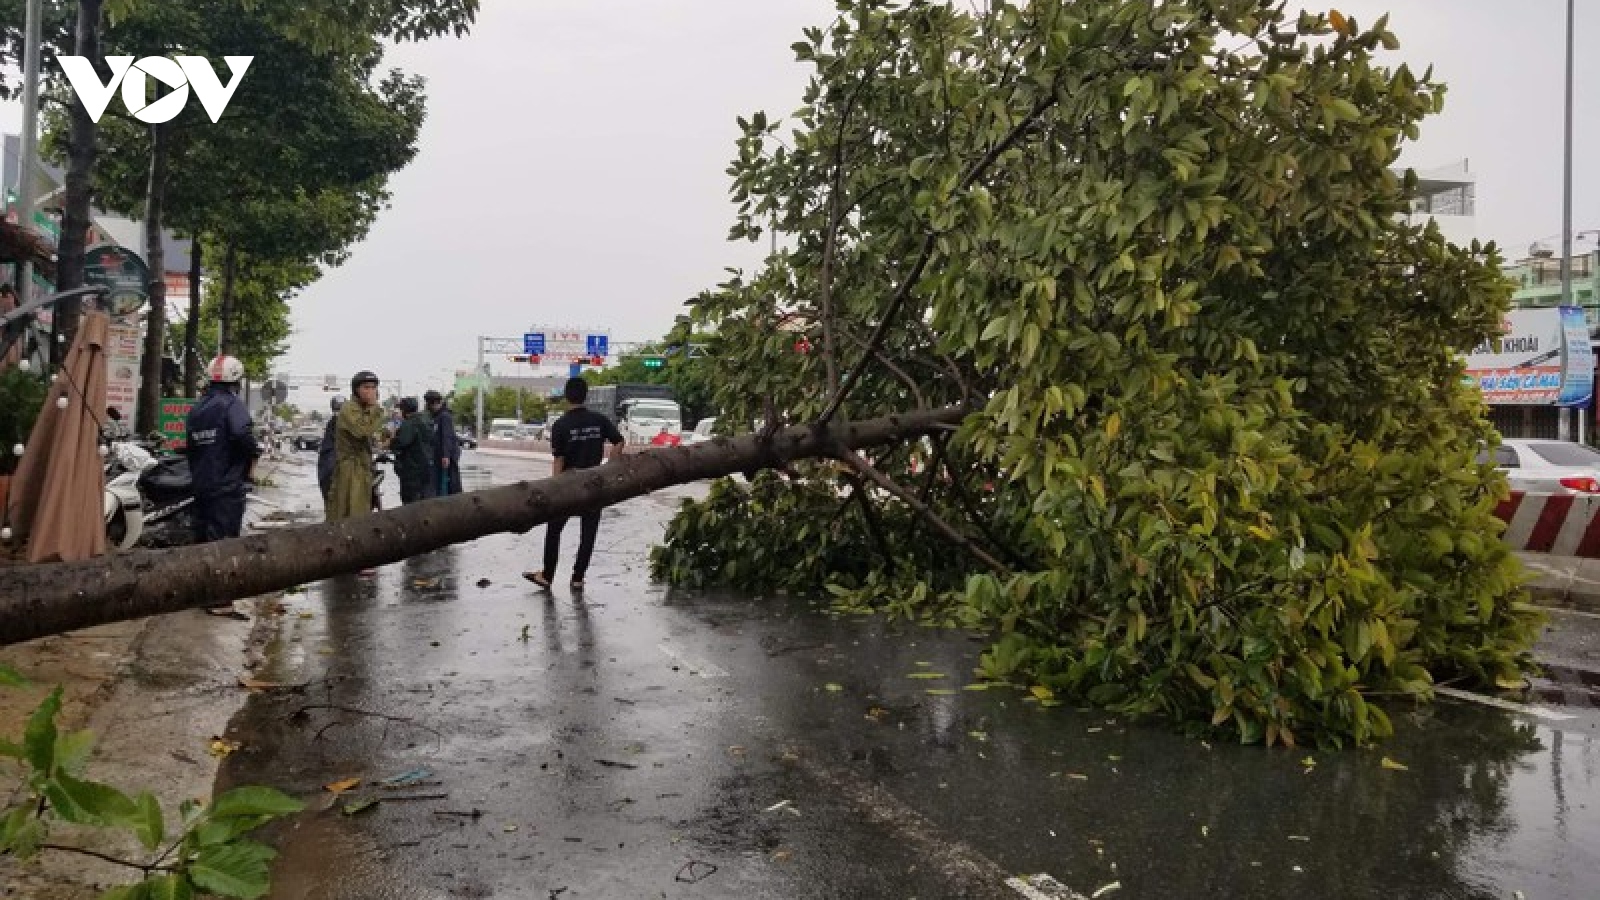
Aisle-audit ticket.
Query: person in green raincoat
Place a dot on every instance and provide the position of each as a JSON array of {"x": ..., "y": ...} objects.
[
  {"x": 360, "y": 425},
  {"x": 413, "y": 453}
]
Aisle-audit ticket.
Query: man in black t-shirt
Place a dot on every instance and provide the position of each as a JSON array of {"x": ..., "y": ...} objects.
[{"x": 578, "y": 441}]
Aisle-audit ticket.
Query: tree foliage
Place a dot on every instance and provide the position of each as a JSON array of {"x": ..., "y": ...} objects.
[{"x": 1221, "y": 461}]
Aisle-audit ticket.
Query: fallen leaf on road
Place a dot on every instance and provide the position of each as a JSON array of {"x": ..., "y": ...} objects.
[
  {"x": 1078, "y": 776},
  {"x": 339, "y": 787},
  {"x": 1298, "y": 837},
  {"x": 359, "y": 806},
  {"x": 925, "y": 675},
  {"x": 736, "y": 751},
  {"x": 1106, "y": 889},
  {"x": 830, "y": 686},
  {"x": 977, "y": 687},
  {"x": 979, "y": 735},
  {"x": 941, "y": 692},
  {"x": 220, "y": 748},
  {"x": 924, "y": 664},
  {"x": 780, "y": 805},
  {"x": 1205, "y": 831},
  {"x": 1391, "y": 764},
  {"x": 308, "y": 615},
  {"x": 781, "y": 856},
  {"x": 425, "y": 582},
  {"x": 510, "y": 828},
  {"x": 1042, "y": 692}
]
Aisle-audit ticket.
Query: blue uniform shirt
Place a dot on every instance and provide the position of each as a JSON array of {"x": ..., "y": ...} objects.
[{"x": 221, "y": 443}]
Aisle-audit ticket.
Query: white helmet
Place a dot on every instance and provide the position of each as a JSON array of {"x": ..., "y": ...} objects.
[{"x": 226, "y": 369}]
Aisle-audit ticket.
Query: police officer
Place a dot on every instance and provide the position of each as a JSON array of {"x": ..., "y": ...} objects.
[{"x": 222, "y": 453}]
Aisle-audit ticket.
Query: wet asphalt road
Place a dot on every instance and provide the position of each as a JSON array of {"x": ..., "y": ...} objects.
[{"x": 639, "y": 743}]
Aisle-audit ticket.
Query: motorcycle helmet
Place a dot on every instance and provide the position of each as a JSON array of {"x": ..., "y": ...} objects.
[
  {"x": 362, "y": 377},
  {"x": 336, "y": 402},
  {"x": 408, "y": 406},
  {"x": 225, "y": 370},
  {"x": 432, "y": 397}
]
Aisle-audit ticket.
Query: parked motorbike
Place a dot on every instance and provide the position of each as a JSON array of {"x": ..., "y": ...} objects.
[{"x": 148, "y": 499}]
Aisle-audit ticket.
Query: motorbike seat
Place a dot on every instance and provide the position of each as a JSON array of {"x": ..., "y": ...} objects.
[{"x": 168, "y": 477}]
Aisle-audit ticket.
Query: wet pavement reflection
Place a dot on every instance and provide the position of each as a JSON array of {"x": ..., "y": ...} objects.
[{"x": 640, "y": 742}]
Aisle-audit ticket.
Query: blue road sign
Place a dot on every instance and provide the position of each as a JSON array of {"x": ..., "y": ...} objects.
[
  {"x": 533, "y": 342},
  {"x": 597, "y": 345}
]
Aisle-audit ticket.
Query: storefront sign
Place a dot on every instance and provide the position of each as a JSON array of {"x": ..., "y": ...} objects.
[
  {"x": 121, "y": 270},
  {"x": 1542, "y": 358},
  {"x": 174, "y": 421},
  {"x": 122, "y": 369}
]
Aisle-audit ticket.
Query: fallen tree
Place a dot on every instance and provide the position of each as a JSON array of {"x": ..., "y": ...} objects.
[{"x": 51, "y": 599}]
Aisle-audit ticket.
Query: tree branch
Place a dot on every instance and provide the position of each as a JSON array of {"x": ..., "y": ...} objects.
[
  {"x": 110, "y": 859},
  {"x": 926, "y": 253},
  {"x": 855, "y": 461},
  {"x": 906, "y": 379}
]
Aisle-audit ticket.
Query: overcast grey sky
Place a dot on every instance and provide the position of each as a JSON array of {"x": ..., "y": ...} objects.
[{"x": 572, "y": 165}]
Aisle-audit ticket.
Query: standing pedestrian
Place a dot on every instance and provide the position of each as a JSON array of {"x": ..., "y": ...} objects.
[
  {"x": 359, "y": 425},
  {"x": 578, "y": 441},
  {"x": 413, "y": 448},
  {"x": 325, "y": 451},
  {"x": 222, "y": 453},
  {"x": 447, "y": 446}
]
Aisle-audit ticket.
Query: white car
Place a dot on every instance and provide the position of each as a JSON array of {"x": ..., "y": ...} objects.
[
  {"x": 1549, "y": 467},
  {"x": 702, "y": 432}
]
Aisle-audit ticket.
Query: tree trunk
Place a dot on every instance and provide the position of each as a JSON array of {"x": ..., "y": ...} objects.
[
  {"x": 191, "y": 329},
  {"x": 56, "y": 598},
  {"x": 155, "y": 338},
  {"x": 230, "y": 265},
  {"x": 81, "y": 151}
]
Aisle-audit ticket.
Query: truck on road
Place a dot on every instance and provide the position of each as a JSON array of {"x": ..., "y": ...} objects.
[{"x": 640, "y": 411}]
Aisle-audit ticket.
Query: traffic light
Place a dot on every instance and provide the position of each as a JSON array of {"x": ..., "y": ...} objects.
[{"x": 654, "y": 362}]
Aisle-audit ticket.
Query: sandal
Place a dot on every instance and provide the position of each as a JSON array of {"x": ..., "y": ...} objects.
[{"x": 538, "y": 578}]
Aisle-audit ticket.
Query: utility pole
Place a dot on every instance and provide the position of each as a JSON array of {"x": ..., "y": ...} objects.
[
  {"x": 1566, "y": 201},
  {"x": 480, "y": 372},
  {"x": 30, "y": 145}
]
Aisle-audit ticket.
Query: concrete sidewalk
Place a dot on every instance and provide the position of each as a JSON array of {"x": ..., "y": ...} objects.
[{"x": 1566, "y": 582}]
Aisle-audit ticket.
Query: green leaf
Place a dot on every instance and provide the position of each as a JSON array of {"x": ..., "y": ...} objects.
[
  {"x": 73, "y": 750},
  {"x": 39, "y": 738},
  {"x": 136, "y": 891},
  {"x": 150, "y": 828},
  {"x": 23, "y": 833},
  {"x": 233, "y": 870},
  {"x": 11, "y": 751},
  {"x": 169, "y": 887},
  {"x": 10, "y": 677},
  {"x": 89, "y": 802},
  {"x": 254, "y": 800}
]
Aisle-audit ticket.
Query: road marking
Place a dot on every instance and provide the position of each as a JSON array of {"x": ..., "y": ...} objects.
[
  {"x": 1542, "y": 712},
  {"x": 1042, "y": 887},
  {"x": 696, "y": 667}
]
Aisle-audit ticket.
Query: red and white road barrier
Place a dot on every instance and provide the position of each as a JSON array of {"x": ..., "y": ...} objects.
[{"x": 1558, "y": 524}]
